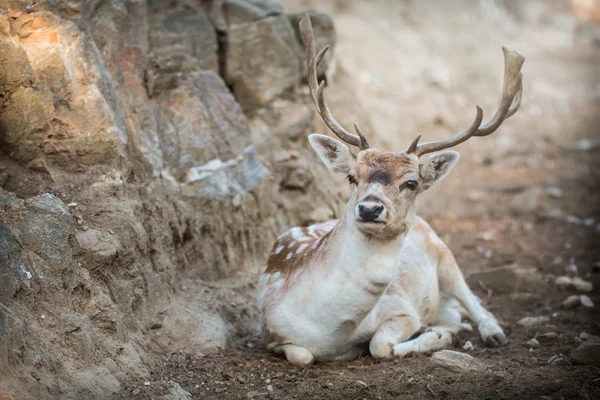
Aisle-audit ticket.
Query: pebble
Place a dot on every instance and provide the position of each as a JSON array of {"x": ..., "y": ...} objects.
[
  {"x": 468, "y": 346},
  {"x": 571, "y": 302},
  {"x": 576, "y": 283},
  {"x": 582, "y": 285},
  {"x": 455, "y": 361},
  {"x": 533, "y": 343},
  {"x": 586, "y": 353},
  {"x": 270, "y": 388},
  {"x": 548, "y": 336},
  {"x": 586, "y": 301},
  {"x": 528, "y": 322},
  {"x": 590, "y": 338}
]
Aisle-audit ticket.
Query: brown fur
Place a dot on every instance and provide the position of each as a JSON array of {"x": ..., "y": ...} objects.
[
  {"x": 373, "y": 165},
  {"x": 278, "y": 262}
]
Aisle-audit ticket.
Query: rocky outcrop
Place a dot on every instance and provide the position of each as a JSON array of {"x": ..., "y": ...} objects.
[{"x": 151, "y": 151}]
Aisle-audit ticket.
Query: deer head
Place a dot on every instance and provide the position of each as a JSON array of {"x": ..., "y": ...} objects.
[{"x": 384, "y": 185}]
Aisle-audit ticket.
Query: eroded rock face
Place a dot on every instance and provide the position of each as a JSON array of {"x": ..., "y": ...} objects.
[{"x": 147, "y": 149}]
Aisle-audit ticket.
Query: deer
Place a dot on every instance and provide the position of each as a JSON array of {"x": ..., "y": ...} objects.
[{"x": 378, "y": 279}]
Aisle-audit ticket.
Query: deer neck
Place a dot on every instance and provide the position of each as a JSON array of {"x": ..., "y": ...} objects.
[{"x": 365, "y": 258}]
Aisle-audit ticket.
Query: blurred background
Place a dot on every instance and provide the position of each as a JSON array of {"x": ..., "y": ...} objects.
[{"x": 151, "y": 151}]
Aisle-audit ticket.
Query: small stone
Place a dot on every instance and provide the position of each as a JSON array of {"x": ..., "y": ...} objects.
[
  {"x": 72, "y": 204},
  {"x": 267, "y": 381},
  {"x": 147, "y": 383},
  {"x": 362, "y": 383},
  {"x": 554, "y": 192},
  {"x": 582, "y": 285},
  {"x": 576, "y": 283},
  {"x": 548, "y": 336},
  {"x": 455, "y": 361},
  {"x": 571, "y": 302},
  {"x": 135, "y": 392},
  {"x": 533, "y": 343},
  {"x": 563, "y": 281},
  {"x": 529, "y": 322},
  {"x": 329, "y": 385},
  {"x": 586, "y": 301},
  {"x": 468, "y": 346},
  {"x": 586, "y": 353},
  {"x": 270, "y": 388}
]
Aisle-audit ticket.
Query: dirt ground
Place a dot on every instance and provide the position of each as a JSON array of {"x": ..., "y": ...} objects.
[{"x": 527, "y": 195}]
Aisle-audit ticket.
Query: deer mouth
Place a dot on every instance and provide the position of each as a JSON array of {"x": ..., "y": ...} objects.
[{"x": 374, "y": 222}]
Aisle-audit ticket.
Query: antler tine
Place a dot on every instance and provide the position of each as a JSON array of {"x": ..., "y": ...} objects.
[
  {"x": 452, "y": 141},
  {"x": 316, "y": 89},
  {"x": 512, "y": 92}
]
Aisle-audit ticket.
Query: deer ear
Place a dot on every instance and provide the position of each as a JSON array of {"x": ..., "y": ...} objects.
[
  {"x": 334, "y": 154},
  {"x": 437, "y": 167}
]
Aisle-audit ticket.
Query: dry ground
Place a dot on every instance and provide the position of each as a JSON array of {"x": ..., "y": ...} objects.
[{"x": 523, "y": 196}]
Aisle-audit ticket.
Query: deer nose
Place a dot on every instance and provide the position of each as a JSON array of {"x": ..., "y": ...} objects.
[{"x": 369, "y": 212}]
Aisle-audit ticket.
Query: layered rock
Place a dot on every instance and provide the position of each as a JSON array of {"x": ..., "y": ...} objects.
[{"x": 148, "y": 148}]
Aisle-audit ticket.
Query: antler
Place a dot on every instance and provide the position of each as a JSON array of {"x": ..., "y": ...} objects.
[
  {"x": 509, "y": 104},
  {"x": 316, "y": 89}
]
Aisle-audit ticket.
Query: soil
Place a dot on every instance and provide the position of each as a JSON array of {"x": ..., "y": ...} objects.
[{"x": 527, "y": 195}]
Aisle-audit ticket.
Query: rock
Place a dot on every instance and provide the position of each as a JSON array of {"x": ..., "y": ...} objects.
[
  {"x": 48, "y": 202},
  {"x": 183, "y": 42},
  {"x": 509, "y": 279},
  {"x": 98, "y": 247},
  {"x": 325, "y": 35},
  {"x": 590, "y": 338},
  {"x": 554, "y": 192},
  {"x": 586, "y": 301},
  {"x": 26, "y": 111},
  {"x": 455, "y": 361},
  {"x": 580, "y": 285},
  {"x": 176, "y": 392},
  {"x": 529, "y": 322},
  {"x": 588, "y": 353},
  {"x": 285, "y": 119},
  {"x": 47, "y": 229},
  {"x": 262, "y": 60},
  {"x": 198, "y": 332},
  {"x": 533, "y": 343},
  {"x": 528, "y": 200},
  {"x": 9, "y": 200},
  {"x": 296, "y": 176},
  {"x": 468, "y": 346},
  {"x": 571, "y": 302},
  {"x": 242, "y": 11},
  {"x": 547, "y": 336}
]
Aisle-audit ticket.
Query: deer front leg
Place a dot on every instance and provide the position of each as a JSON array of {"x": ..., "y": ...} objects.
[
  {"x": 452, "y": 283},
  {"x": 392, "y": 331},
  {"x": 297, "y": 355}
]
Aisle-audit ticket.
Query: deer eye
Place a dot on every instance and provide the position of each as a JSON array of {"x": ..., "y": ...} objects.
[
  {"x": 411, "y": 185},
  {"x": 352, "y": 180}
]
